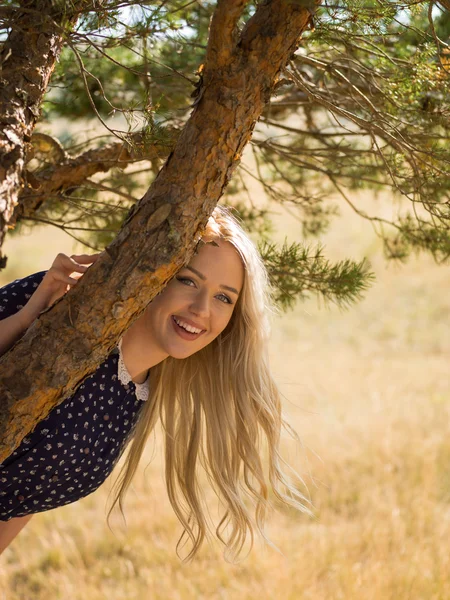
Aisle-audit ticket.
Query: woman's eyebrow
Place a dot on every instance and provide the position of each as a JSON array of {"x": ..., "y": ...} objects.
[{"x": 225, "y": 287}]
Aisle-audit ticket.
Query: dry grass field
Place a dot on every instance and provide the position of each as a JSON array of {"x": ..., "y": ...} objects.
[{"x": 368, "y": 391}]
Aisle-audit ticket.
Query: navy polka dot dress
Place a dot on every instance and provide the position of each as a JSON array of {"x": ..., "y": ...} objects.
[{"x": 74, "y": 449}]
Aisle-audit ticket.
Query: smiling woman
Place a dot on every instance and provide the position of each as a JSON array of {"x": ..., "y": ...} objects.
[
  {"x": 194, "y": 308},
  {"x": 197, "y": 360}
]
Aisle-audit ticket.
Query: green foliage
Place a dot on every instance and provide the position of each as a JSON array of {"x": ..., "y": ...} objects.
[
  {"x": 370, "y": 87},
  {"x": 255, "y": 220},
  {"x": 142, "y": 58},
  {"x": 411, "y": 237},
  {"x": 296, "y": 271}
]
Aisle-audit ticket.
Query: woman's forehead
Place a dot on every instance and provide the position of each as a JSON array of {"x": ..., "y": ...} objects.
[{"x": 218, "y": 260}]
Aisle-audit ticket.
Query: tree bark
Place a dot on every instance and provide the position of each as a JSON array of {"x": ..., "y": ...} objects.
[
  {"x": 27, "y": 61},
  {"x": 161, "y": 233}
]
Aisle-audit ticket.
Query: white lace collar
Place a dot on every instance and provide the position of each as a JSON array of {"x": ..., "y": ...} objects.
[{"x": 142, "y": 389}]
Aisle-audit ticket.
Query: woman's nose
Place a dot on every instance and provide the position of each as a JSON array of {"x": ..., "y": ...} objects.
[{"x": 200, "y": 304}]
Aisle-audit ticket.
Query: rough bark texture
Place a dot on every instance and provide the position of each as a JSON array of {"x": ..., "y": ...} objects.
[
  {"x": 71, "y": 172},
  {"x": 445, "y": 3},
  {"x": 26, "y": 64},
  {"x": 161, "y": 232}
]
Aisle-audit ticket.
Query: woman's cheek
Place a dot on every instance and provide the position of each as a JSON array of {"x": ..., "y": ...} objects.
[{"x": 221, "y": 325}]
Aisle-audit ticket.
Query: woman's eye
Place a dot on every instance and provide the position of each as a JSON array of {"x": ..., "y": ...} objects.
[
  {"x": 185, "y": 281},
  {"x": 225, "y": 299}
]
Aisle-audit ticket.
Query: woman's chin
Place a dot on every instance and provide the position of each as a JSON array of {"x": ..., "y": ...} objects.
[{"x": 181, "y": 353}]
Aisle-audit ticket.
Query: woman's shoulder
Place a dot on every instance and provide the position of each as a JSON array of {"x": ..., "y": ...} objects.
[{"x": 111, "y": 378}]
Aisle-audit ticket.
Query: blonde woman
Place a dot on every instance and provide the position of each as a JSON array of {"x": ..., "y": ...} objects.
[{"x": 197, "y": 360}]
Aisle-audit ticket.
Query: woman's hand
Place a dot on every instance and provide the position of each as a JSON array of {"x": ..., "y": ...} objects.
[
  {"x": 62, "y": 275},
  {"x": 59, "y": 279}
]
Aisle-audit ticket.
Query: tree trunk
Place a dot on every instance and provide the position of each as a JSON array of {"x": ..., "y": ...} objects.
[
  {"x": 26, "y": 63},
  {"x": 163, "y": 228}
]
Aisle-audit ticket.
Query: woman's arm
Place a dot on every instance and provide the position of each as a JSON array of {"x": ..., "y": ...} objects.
[
  {"x": 12, "y": 328},
  {"x": 62, "y": 275},
  {"x": 9, "y": 530}
]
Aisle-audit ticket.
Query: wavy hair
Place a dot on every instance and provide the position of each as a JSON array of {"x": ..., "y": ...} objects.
[{"x": 221, "y": 410}]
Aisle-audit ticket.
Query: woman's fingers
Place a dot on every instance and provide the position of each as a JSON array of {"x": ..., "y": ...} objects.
[
  {"x": 78, "y": 263},
  {"x": 85, "y": 259},
  {"x": 61, "y": 278},
  {"x": 81, "y": 262},
  {"x": 64, "y": 273}
]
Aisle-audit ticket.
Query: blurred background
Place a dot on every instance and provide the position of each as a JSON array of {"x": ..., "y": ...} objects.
[
  {"x": 360, "y": 113},
  {"x": 368, "y": 391}
]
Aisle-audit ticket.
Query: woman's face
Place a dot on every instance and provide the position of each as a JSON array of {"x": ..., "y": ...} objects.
[{"x": 197, "y": 304}]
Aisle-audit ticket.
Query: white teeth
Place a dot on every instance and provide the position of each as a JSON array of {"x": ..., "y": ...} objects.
[{"x": 186, "y": 326}]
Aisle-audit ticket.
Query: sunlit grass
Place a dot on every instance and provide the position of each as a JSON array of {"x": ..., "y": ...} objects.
[{"x": 368, "y": 390}]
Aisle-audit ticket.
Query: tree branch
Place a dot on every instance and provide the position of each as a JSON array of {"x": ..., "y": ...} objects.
[
  {"x": 223, "y": 32},
  {"x": 444, "y": 3},
  {"x": 74, "y": 171}
]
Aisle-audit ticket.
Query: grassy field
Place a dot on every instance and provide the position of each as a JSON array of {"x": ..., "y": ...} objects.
[{"x": 368, "y": 390}]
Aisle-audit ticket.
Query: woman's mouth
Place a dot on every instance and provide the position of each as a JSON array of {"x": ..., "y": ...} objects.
[{"x": 184, "y": 330}]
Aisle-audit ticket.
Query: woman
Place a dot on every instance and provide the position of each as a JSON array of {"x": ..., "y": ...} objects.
[{"x": 196, "y": 359}]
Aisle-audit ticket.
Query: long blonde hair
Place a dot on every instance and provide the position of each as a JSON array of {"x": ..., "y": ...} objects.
[{"x": 216, "y": 407}]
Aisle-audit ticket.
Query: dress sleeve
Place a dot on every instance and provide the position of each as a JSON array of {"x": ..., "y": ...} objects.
[{"x": 16, "y": 294}]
